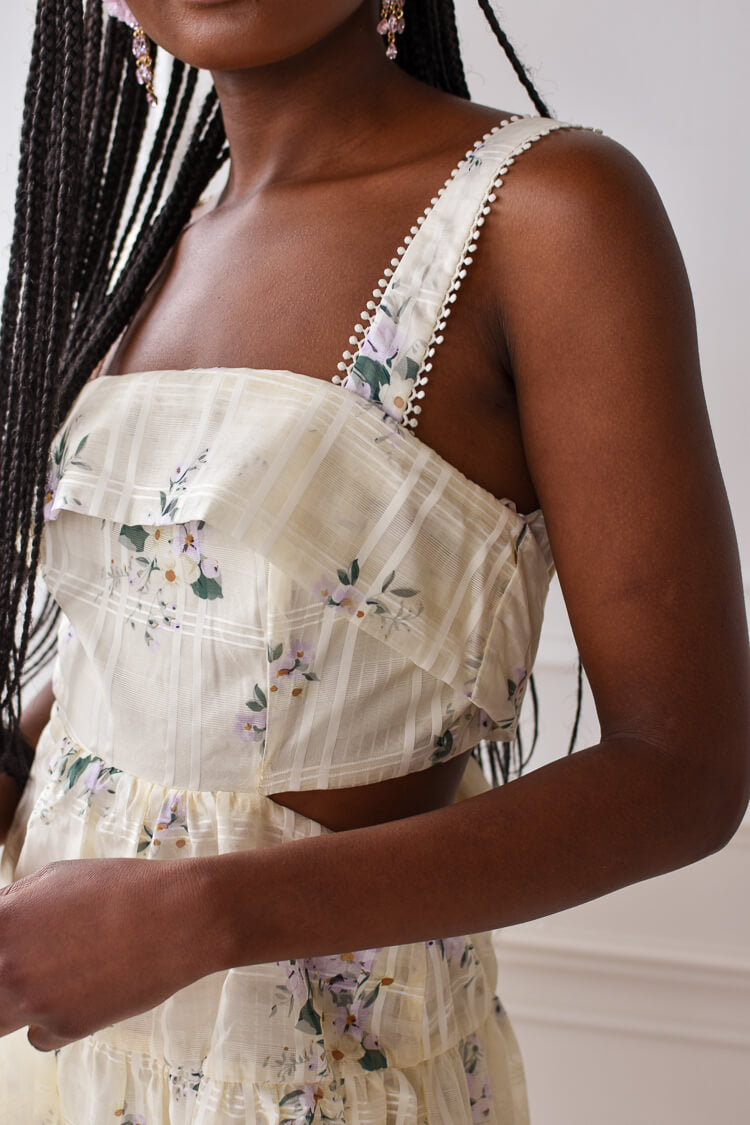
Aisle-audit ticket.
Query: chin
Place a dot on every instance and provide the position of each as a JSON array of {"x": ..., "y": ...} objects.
[{"x": 231, "y": 35}]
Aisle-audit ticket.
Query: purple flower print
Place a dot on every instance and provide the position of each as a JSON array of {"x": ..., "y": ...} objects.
[
  {"x": 301, "y": 650},
  {"x": 339, "y": 594},
  {"x": 280, "y": 669},
  {"x": 383, "y": 341},
  {"x": 91, "y": 779},
  {"x": 364, "y": 390},
  {"x": 49, "y": 497},
  {"x": 454, "y": 946},
  {"x": 349, "y": 599},
  {"x": 210, "y": 568},
  {"x": 188, "y": 540},
  {"x": 343, "y": 964},
  {"x": 179, "y": 472},
  {"x": 325, "y": 586},
  {"x": 172, "y": 810},
  {"x": 251, "y": 725},
  {"x": 296, "y": 980}
]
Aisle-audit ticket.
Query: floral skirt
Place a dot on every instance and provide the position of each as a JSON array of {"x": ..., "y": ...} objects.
[{"x": 401, "y": 1035}]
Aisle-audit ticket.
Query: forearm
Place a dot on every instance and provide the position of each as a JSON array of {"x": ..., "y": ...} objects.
[{"x": 569, "y": 832}]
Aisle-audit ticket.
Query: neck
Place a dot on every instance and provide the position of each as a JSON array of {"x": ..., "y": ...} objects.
[{"x": 312, "y": 116}]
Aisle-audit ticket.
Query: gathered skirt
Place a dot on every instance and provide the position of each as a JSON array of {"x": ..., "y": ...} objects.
[{"x": 402, "y": 1035}]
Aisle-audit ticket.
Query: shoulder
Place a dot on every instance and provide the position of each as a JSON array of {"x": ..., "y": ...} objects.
[
  {"x": 578, "y": 223},
  {"x": 580, "y": 184}
]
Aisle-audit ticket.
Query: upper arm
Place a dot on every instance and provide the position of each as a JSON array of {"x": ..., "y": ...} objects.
[{"x": 599, "y": 324}]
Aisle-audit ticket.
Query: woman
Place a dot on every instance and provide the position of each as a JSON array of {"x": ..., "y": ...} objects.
[{"x": 287, "y": 619}]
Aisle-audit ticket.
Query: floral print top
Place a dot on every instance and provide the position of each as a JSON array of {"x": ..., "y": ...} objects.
[{"x": 269, "y": 583}]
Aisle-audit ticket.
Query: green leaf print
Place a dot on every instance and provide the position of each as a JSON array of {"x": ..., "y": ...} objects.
[
  {"x": 257, "y": 707},
  {"x": 260, "y": 695},
  {"x": 354, "y": 571},
  {"x": 206, "y": 588},
  {"x": 77, "y": 769},
  {"x": 388, "y": 581},
  {"x": 412, "y": 368},
  {"x": 81, "y": 445},
  {"x": 309, "y": 1020},
  {"x": 275, "y": 652},
  {"x": 373, "y": 1060},
  {"x": 134, "y": 538},
  {"x": 373, "y": 373},
  {"x": 443, "y": 746},
  {"x": 404, "y": 592},
  {"x": 343, "y": 577},
  {"x": 311, "y": 677},
  {"x": 372, "y": 997}
]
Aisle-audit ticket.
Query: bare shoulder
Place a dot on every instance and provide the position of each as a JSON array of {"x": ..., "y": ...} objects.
[
  {"x": 580, "y": 159},
  {"x": 579, "y": 224}
]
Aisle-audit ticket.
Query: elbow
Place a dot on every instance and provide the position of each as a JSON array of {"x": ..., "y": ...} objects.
[
  {"x": 717, "y": 797},
  {"x": 727, "y": 813}
]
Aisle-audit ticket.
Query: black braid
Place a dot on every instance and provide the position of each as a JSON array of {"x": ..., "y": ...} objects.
[
  {"x": 520, "y": 69},
  {"x": 87, "y": 242}
]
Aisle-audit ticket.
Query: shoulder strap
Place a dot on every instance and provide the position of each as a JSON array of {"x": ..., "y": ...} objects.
[{"x": 393, "y": 358}]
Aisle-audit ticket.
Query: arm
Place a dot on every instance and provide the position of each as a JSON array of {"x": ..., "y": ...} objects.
[
  {"x": 599, "y": 325},
  {"x": 600, "y": 331}
]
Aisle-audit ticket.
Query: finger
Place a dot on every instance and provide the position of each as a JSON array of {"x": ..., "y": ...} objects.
[{"x": 44, "y": 1041}]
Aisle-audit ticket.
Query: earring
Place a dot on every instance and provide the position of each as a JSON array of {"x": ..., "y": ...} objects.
[
  {"x": 144, "y": 68},
  {"x": 391, "y": 24}
]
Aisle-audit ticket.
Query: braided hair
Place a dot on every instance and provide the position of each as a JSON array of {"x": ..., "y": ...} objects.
[{"x": 91, "y": 230}]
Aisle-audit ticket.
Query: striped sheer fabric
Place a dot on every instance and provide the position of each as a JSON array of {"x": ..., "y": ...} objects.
[{"x": 270, "y": 583}]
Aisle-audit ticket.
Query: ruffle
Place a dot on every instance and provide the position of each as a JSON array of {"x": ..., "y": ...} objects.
[
  {"x": 479, "y": 1079},
  {"x": 279, "y": 455},
  {"x": 359, "y": 1017}
]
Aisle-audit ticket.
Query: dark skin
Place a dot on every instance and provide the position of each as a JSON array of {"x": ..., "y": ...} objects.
[{"x": 568, "y": 380}]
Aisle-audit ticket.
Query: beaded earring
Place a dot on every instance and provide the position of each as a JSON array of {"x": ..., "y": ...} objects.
[
  {"x": 144, "y": 64},
  {"x": 391, "y": 24}
]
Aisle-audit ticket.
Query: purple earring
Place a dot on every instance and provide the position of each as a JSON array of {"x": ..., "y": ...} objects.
[
  {"x": 144, "y": 64},
  {"x": 391, "y": 24}
]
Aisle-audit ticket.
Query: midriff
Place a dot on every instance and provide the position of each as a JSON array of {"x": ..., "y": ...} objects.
[{"x": 381, "y": 801}]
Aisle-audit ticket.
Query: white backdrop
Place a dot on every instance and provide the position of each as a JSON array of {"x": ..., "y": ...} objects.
[{"x": 636, "y": 1008}]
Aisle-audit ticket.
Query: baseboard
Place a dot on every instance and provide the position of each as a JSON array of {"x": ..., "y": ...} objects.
[{"x": 623, "y": 990}]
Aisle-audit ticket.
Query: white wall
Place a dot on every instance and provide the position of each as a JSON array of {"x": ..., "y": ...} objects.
[{"x": 635, "y": 1008}]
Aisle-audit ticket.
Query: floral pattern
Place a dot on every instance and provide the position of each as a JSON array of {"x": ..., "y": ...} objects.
[
  {"x": 342, "y": 594},
  {"x": 383, "y": 370},
  {"x": 84, "y": 776},
  {"x": 289, "y": 670},
  {"x": 161, "y": 557},
  {"x": 313, "y": 1103},
  {"x": 184, "y": 1083},
  {"x": 332, "y": 1000},
  {"x": 477, "y": 1078},
  {"x": 62, "y": 456},
  {"x": 125, "y": 1118},
  {"x": 171, "y": 825}
]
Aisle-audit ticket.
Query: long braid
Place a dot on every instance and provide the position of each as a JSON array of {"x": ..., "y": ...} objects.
[
  {"x": 521, "y": 72},
  {"x": 82, "y": 258}
]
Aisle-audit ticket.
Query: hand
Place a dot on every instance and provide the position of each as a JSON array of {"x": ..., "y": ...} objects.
[{"x": 77, "y": 950}]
